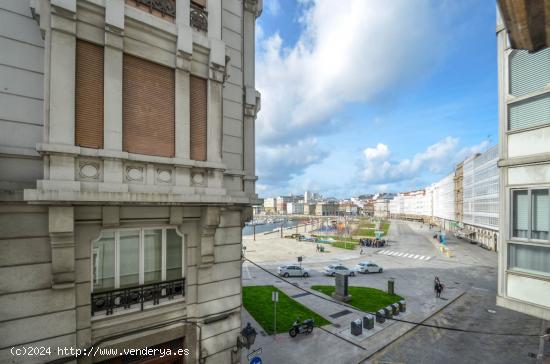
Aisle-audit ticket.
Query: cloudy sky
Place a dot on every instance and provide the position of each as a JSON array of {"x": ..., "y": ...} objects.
[{"x": 364, "y": 96}]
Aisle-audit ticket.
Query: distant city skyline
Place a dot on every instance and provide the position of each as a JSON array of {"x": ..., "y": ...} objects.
[{"x": 357, "y": 127}]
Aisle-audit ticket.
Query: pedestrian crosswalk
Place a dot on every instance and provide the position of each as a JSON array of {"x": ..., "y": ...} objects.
[{"x": 404, "y": 255}]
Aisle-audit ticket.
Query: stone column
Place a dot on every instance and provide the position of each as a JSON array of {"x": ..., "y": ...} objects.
[
  {"x": 184, "y": 53},
  {"x": 60, "y": 78},
  {"x": 113, "y": 177},
  {"x": 61, "y": 230},
  {"x": 114, "y": 28},
  {"x": 62, "y": 72},
  {"x": 253, "y": 9},
  {"x": 214, "y": 19}
]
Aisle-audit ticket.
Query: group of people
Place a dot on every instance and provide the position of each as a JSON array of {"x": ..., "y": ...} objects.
[
  {"x": 372, "y": 242},
  {"x": 438, "y": 287},
  {"x": 320, "y": 248}
]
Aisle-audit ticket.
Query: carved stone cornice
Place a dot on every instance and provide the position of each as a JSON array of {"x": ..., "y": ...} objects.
[
  {"x": 254, "y": 6},
  {"x": 210, "y": 220},
  {"x": 253, "y": 103}
]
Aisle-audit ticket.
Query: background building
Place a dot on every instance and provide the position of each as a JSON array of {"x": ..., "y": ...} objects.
[
  {"x": 524, "y": 159},
  {"x": 481, "y": 198},
  {"x": 444, "y": 201},
  {"x": 326, "y": 209},
  {"x": 270, "y": 205},
  {"x": 124, "y": 183},
  {"x": 295, "y": 208}
]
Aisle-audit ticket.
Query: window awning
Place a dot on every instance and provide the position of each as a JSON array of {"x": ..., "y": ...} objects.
[{"x": 527, "y": 22}]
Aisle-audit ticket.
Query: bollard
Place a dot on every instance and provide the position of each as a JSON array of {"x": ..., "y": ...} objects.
[
  {"x": 402, "y": 306},
  {"x": 395, "y": 309},
  {"x": 391, "y": 286},
  {"x": 368, "y": 322},
  {"x": 356, "y": 328},
  {"x": 388, "y": 310},
  {"x": 380, "y": 316}
]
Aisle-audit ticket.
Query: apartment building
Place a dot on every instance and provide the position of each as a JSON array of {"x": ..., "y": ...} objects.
[
  {"x": 444, "y": 202},
  {"x": 381, "y": 207},
  {"x": 459, "y": 191},
  {"x": 481, "y": 198},
  {"x": 524, "y": 159},
  {"x": 270, "y": 205},
  {"x": 295, "y": 208},
  {"x": 281, "y": 202},
  {"x": 326, "y": 209},
  {"x": 126, "y": 174},
  {"x": 309, "y": 208},
  {"x": 414, "y": 205}
]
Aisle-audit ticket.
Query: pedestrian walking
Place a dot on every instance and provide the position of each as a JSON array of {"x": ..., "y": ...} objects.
[{"x": 436, "y": 283}]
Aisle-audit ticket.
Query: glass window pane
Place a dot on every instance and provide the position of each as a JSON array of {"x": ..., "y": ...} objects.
[
  {"x": 532, "y": 259},
  {"x": 129, "y": 258},
  {"x": 540, "y": 207},
  {"x": 152, "y": 260},
  {"x": 173, "y": 255},
  {"x": 103, "y": 262},
  {"x": 520, "y": 214}
]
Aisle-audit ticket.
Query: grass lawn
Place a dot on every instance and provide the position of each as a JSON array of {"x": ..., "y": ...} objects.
[
  {"x": 364, "y": 232},
  {"x": 257, "y": 301},
  {"x": 345, "y": 245},
  {"x": 364, "y": 298}
]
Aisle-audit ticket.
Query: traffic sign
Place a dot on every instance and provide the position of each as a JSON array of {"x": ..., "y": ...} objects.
[
  {"x": 275, "y": 296},
  {"x": 256, "y": 360},
  {"x": 256, "y": 352}
]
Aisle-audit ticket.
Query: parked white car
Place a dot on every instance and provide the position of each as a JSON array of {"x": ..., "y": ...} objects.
[
  {"x": 368, "y": 267},
  {"x": 293, "y": 271},
  {"x": 333, "y": 269}
]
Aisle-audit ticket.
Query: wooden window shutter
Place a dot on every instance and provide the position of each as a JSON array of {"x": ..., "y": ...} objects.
[
  {"x": 89, "y": 95},
  {"x": 148, "y": 110},
  {"x": 198, "y": 107}
]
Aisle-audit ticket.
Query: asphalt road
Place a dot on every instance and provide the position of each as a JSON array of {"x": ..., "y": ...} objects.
[{"x": 413, "y": 260}]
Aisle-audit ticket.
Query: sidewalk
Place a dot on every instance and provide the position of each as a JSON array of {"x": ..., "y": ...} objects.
[{"x": 334, "y": 343}]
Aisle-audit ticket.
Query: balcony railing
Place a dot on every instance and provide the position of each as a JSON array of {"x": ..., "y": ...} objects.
[
  {"x": 126, "y": 298},
  {"x": 164, "y": 7},
  {"x": 198, "y": 18}
]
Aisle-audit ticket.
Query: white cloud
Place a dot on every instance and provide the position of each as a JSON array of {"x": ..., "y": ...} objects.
[
  {"x": 348, "y": 51},
  {"x": 280, "y": 162},
  {"x": 381, "y": 151},
  {"x": 380, "y": 170}
]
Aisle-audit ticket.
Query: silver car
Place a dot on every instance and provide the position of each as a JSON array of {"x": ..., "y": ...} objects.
[
  {"x": 293, "y": 271},
  {"x": 333, "y": 269},
  {"x": 368, "y": 267}
]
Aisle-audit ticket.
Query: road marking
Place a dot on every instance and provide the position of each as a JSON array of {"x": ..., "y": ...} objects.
[{"x": 404, "y": 255}]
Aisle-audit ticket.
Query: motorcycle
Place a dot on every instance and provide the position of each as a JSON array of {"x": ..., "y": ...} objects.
[{"x": 306, "y": 327}]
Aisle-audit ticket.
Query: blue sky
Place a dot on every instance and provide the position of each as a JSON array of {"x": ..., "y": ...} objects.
[{"x": 364, "y": 96}]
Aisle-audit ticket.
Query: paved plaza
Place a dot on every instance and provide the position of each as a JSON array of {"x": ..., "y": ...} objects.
[{"x": 468, "y": 302}]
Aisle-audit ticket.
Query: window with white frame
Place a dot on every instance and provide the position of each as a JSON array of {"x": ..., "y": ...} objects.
[
  {"x": 135, "y": 256},
  {"x": 531, "y": 214},
  {"x": 529, "y": 258}
]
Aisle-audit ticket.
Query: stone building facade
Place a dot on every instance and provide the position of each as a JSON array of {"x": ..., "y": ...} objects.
[{"x": 126, "y": 174}]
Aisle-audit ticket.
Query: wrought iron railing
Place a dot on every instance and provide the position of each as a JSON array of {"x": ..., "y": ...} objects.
[
  {"x": 129, "y": 297},
  {"x": 198, "y": 17},
  {"x": 165, "y": 7}
]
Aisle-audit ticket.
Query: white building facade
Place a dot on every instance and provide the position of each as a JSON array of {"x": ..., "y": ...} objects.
[
  {"x": 481, "y": 198},
  {"x": 444, "y": 201},
  {"x": 524, "y": 161}
]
